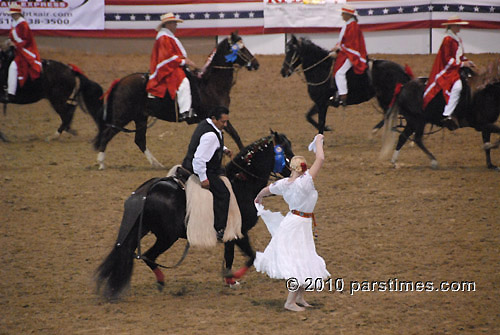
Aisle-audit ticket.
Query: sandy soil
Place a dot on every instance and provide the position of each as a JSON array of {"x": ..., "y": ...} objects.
[{"x": 60, "y": 217}]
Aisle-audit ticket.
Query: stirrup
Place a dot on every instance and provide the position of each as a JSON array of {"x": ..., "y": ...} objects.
[
  {"x": 335, "y": 100},
  {"x": 450, "y": 122},
  {"x": 186, "y": 116}
]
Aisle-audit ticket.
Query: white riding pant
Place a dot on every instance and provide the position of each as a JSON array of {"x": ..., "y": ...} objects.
[
  {"x": 340, "y": 77},
  {"x": 456, "y": 89},
  {"x": 12, "y": 79},
  {"x": 184, "y": 96}
]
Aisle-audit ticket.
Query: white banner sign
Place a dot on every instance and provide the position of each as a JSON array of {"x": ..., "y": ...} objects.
[
  {"x": 302, "y": 13},
  {"x": 58, "y": 14}
]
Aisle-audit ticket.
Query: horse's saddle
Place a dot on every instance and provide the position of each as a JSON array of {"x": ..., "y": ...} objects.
[
  {"x": 166, "y": 109},
  {"x": 359, "y": 86}
]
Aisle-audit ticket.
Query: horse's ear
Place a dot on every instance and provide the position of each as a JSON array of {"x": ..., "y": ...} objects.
[
  {"x": 273, "y": 132},
  {"x": 294, "y": 39}
]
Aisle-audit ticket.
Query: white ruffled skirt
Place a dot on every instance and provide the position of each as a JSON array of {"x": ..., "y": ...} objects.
[{"x": 291, "y": 253}]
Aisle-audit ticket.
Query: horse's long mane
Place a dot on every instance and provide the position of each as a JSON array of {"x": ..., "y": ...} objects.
[
  {"x": 246, "y": 155},
  {"x": 309, "y": 47},
  {"x": 215, "y": 58}
]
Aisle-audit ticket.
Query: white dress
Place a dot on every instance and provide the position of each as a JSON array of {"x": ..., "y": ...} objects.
[{"x": 291, "y": 253}]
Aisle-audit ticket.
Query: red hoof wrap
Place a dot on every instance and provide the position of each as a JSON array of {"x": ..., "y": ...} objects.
[
  {"x": 159, "y": 275},
  {"x": 241, "y": 272},
  {"x": 230, "y": 281}
]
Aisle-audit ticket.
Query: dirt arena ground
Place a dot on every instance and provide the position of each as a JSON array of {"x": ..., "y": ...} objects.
[{"x": 60, "y": 217}]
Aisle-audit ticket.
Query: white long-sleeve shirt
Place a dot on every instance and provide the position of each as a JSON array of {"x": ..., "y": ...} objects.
[{"x": 209, "y": 143}]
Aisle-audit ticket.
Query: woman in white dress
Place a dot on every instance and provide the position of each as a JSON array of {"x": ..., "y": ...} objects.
[{"x": 291, "y": 253}]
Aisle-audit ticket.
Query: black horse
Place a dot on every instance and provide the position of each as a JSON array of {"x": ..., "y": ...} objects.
[
  {"x": 164, "y": 211},
  {"x": 65, "y": 86},
  {"x": 479, "y": 111},
  {"x": 127, "y": 100},
  {"x": 380, "y": 79}
]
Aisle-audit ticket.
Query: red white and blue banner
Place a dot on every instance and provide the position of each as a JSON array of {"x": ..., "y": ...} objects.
[
  {"x": 138, "y": 18},
  {"x": 57, "y": 14}
]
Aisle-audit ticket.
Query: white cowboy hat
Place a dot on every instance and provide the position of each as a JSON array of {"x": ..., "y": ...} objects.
[
  {"x": 15, "y": 8},
  {"x": 454, "y": 20},
  {"x": 349, "y": 10},
  {"x": 168, "y": 17}
]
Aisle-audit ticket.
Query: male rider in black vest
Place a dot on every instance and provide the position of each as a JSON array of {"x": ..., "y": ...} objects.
[{"x": 204, "y": 158}]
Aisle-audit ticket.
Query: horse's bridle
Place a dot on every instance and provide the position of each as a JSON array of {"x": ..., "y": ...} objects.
[
  {"x": 235, "y": 66},
  {"x": 295, "y": 58},
  {"x": 259, "y": 146}
]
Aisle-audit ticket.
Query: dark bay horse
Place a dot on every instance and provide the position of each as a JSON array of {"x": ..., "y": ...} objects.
[
  {"x": 379, "y": 81},
  {"x": 65, "y": 86},
  {"x": 164, "y": 209},
  {"x": 127, "y": 99},
  {"x": 479, "y": 110}
]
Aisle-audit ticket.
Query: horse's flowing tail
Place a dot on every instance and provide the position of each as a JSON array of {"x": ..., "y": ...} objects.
[
  {"x": 389, "y": 135},
  {"x": 89, "y": 96},
  {"x": 113, "y": 275},
  {"x": 105, "y": 116}
]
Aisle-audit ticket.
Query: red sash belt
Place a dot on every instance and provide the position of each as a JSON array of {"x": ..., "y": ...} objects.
[{"x": 305, "y": 215}]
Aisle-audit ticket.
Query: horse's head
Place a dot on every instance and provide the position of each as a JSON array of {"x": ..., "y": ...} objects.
[
  {"x": 237, "y": 53},
  {"x": 283, "y": 154},
  {"x": 6, "y": 57},
  {"x": 292, "y": 57},
  {"x": 258, "y": 160},
  {"x": 466, "y": 73},
  {"x": 484, "y": 77}
]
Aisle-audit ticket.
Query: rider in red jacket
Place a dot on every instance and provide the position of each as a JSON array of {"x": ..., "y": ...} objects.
[
  {"x": 166, "y": 70},
  {"x": 27, "y": 62},
  {"x": 351, "y": 52},
  {"x": 445, "y": 76}
]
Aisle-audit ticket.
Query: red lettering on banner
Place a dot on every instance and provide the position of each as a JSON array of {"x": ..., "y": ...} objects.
[
  {"x": 30, "y": 4},
  {"x": 283, "y": 1}
]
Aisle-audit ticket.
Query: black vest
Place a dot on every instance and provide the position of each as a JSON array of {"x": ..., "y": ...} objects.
[{"x": 214, "y": 165}]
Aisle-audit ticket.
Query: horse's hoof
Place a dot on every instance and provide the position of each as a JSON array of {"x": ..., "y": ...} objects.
[
  {"x": 231, "y": 282},
  {"x": 160, "y": 285},
  {"x": 489, "y": 146},
  {"x": 102, "y": 166},
  {"x": 53, "y": 137},
  {"x": 328, "y": 128},
  {"x": 434, "y": 164}
]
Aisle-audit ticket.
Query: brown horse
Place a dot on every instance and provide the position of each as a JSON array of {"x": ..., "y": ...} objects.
[
  {"x": 65, "y": 86},
  {"x": 127, "y": 100}
]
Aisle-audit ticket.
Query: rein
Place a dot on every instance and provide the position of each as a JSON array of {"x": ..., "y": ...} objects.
[
  {"x": 295, "y": 57},
  {"x": 263, "y": 142}
]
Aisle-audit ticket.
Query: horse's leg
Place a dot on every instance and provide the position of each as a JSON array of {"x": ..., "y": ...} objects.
[
  {"x": 244, "y": 245},
  {"x": 228, "y": 260},
  {"x": 322, "y": 117},
  {"x": 3, "y": 138},
  {"x": 234, "y": 135},
  {"x": 141, "y": 127},
  {"x": 419, "y": 133},
  {"x": 309, "y": 116},
  {"x": 149, "y": 257},
  {"x": 403, "y": 137},
  {"x": 487, "y": 149},
  {"x": 103, "y": 139},
  {"x": 66, "y": 113},
  {"x": 377, "y": 127}
]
